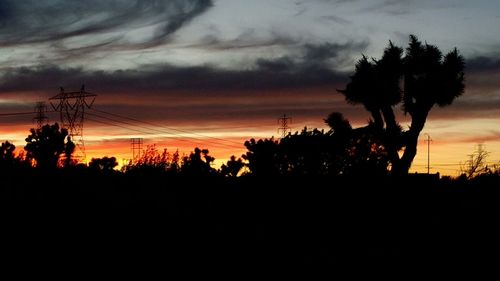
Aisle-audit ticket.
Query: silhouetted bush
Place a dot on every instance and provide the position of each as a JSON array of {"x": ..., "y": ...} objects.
[
  {"x": 152, "y": 161},
  {"x": 47, "y": 144},
  {"x": 105, "y": 164},
  {"x": 341, "y": 151},
  {"x": 198, "y": 163}
]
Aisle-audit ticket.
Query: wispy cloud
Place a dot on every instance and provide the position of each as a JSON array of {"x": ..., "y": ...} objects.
[
  {"x": 35, "y": 21},
  {"x": 405, "y": 7}
]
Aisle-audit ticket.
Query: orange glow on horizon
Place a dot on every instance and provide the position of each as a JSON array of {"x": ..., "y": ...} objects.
[
  {"x": 448, "y": 148},
  {"x": 454, "y": 137}
]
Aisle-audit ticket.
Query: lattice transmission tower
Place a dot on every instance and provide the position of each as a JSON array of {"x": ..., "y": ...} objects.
[
  {"x": 40, "y": 114},
  {"x": 136, "y": 144},
  {"x": 283, "y": 125},
  {"x": 71, "y": 107}
]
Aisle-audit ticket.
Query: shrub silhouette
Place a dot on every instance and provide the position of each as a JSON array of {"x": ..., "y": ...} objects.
[
  {"x": 7, "y": 156},
  {"x": 152, "y": 160},
  {"x": 47, "y": 144},
  {"x": 198, "y": 163},
  {"x": 232, "y": 167},
  {"x": 105, "y": 164},
  {"x": 263, "y": 157},
  {"x": 340, "y": 151}
]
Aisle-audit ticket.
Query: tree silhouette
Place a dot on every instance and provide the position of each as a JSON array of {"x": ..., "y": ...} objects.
[
  {"x": 340, "y": 151},
  {"x": 105, "y": 164},
  {"x": 7, "y": 154},
  {"x": 429, "y": 78},
  {"x": 476, "y": 165},
  {"x": 308, "y": 153},
  {"x": 8, "y": 158},
  {"x": 68, "y": 160},
  {"x": 47, "y": 144},
  {"x": 198, "y": 163},
  {"x": 263, "y": 157},
  {"x": 338, "y": 123},
  {"x": 152, "y": 160},
  {"x": 232, "y": 167}
]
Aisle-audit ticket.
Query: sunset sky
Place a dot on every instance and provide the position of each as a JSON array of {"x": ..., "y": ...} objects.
[{"x": 215, "y": 73}]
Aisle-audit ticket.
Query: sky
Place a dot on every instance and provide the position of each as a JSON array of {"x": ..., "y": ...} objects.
[{"x": 214, "y": 73}]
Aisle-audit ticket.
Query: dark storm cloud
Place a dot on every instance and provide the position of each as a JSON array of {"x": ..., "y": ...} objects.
[
  {"x": 327, "y": 51},
  {"x": 31, "y": 21},
  {"x": 483, "y": 64},
  {"x": 336, "y": 19},
  {"x": 166, "y": 77},
  {"x": 405, "y": 7},
  {"x": 482, "y": 76},
  {"x": 248, "y": 38},
  {"x": 310, "y": 69}
]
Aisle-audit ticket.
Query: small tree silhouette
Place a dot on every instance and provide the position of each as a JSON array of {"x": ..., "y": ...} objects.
[
  {"x": 153, "y": 161},
  {"x": 8, "y": 158},
  {"x": 263, "y": 157},
  {"x": 429, "y": 79},
  {"x": 105, "y": 164},
  {"x": 476, "y": 165},
  {"x": 232, "y": 167},
  {"x": 47, "y": 144},
  {"x": 7, "y": 154},
  {"x": 198, "y": 163}
]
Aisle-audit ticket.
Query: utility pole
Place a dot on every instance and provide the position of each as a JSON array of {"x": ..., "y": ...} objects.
[
  {"x": 136, "y": 144},
  {"x": 40, "y": 117},
  {"x": 428, "y": 152},
  {"x": 71, "y": 107},
  {"x": 283, "y": 125}
]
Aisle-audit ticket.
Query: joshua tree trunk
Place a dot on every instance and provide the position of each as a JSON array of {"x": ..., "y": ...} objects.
[
  {"x": 390, "y": 119},
  {"x": 377, "y": 119},
  {"x": 411, "y": 140},
  {"x": 392, "y": 134}
]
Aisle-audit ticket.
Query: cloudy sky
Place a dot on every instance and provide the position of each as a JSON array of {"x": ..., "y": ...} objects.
[{"x": 214, "y": 73}]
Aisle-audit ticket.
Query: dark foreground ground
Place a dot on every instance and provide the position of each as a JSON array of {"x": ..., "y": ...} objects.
[{"x": 287, "y": 224}]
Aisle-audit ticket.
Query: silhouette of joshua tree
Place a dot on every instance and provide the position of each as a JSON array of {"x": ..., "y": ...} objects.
[
  {"x": 419, "y": 80},
  {"x": 47, "y": 144}
]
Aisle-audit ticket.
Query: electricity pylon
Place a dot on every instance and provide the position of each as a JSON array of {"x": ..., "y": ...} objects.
[
  {"x": 40, "y": 117},
  {"x": 71, "y": 107},
  {"x": 283, "y": 123},
  {"x": 136, "y": 144}
]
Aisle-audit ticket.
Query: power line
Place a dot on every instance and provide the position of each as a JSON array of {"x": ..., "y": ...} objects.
[
  {"x": 158, "y": 132},
  {"x": 162, "y": 126},
  {"x": 164, "y": 135},
  {"x": 117, "y": 125},
  {"x": 168, "y": 128},
  {"x": 234, "y": 127},
  {"x": 16, "y": 113}
]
